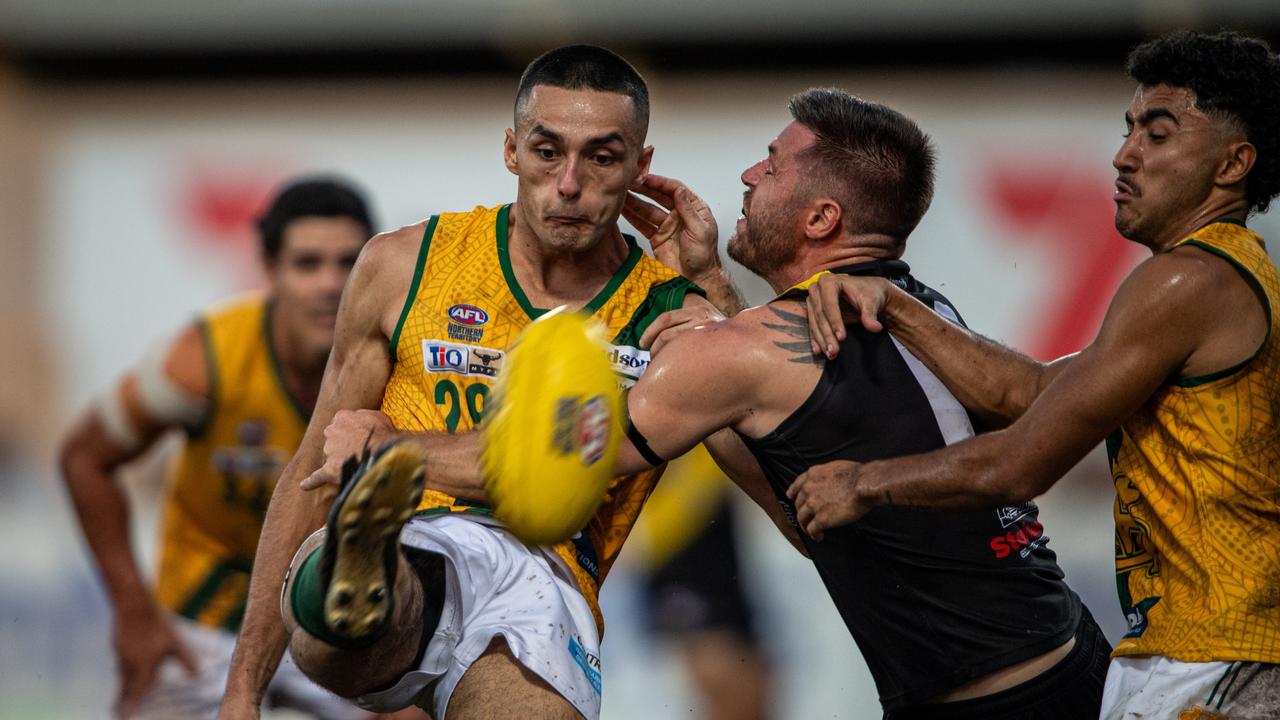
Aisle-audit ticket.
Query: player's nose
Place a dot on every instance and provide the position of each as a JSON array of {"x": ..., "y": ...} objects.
[{"x": 568, "y": 184}]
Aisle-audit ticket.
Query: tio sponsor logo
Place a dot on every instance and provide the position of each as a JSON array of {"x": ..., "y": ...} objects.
[
  {"x": 444, "y": 358},
  {"x": 1023, "y": 540}
]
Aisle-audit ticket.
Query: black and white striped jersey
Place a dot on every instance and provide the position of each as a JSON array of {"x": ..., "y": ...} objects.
[{"x": 932, "y": 599}]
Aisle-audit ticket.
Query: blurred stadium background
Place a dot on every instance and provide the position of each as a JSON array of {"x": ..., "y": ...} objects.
[{"x": 138, "y": 138}]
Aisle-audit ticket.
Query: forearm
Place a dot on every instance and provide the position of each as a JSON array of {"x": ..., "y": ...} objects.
[
  {"x": 103, "y": 512},
  {"x": 1005, "y": 467},
  {"x": 994, "y": 381},
  {"x": 721, "y": 291},
  {"x": 454, "y": 464},
  {"x": 291, "y": 517}
]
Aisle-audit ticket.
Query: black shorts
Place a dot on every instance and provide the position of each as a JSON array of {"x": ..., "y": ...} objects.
[
  {"x": 698, "y": 588},
  {"x": 1070, "y": 690}
]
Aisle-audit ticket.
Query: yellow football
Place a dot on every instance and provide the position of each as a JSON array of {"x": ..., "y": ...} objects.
[{"x": 552, "y": 428}]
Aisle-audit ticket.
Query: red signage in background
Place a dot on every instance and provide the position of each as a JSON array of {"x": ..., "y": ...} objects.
[
  {"x": 221, "y": 206},
  {"x": 1068, "y": 214}
]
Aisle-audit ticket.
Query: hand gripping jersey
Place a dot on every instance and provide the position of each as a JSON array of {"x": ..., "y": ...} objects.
[
  {"x": 463, "y": 312},
  {"x": 933, "y": 599},
  {"x": 222, "y": 482},
  {"x": 1197, "y": 476}
]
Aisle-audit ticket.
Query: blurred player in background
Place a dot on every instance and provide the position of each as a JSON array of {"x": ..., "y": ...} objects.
[
  {"x": 240, "y": 382},
  {"x": 1182, "y": 381},
  {"x": 453, "y": 612},
  {"x": 689, "y": 557}
]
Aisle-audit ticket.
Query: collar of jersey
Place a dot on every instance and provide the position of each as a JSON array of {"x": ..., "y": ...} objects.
[
  {"x": 880, "y": 268},
  {"x": 504, "y": 259}
]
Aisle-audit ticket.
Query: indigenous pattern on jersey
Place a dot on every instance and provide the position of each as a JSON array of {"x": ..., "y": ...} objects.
[
  {"x": 933, "y": 599},
  {"x": 463, "y": 312},
  {"x": 222, "y": 482},
  {"x": 1197, "y": 476}
]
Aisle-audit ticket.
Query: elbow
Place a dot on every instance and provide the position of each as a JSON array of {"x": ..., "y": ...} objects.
[
  {"x": 79, "y": 464},
  {"x": 1016, "y": 398}
]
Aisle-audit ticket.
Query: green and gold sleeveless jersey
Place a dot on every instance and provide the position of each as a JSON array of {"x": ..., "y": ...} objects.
[
  {"x": 464, "y": 310},
  {"x": 221, "y": 484},
  {"x": 1197, "y": 476}
]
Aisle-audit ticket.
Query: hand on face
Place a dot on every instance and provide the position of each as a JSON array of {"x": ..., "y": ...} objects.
[
  {"x": 680, "y": 228},
  {"x": 826, "y": 496},
  {"x": 347, "y": 436}
]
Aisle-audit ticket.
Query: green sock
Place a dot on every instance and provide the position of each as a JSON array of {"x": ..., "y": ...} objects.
[{"x": 307, "y": 600}]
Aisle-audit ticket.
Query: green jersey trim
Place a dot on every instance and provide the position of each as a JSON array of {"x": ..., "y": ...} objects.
[
  {"x": 277, "y": 370},
  {"x": 1205, "y": 379},
  {"x": 634, "y": 253},
  {"x": 661, "y": 298},
  {"x": 201, "y": 427},
  {"x": 418, "y": 269},
  {"x": 208, "y": 590}
]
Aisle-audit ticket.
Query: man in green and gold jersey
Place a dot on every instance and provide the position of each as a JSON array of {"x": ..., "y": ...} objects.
[
  {"x": 458, "y": 615},
  {"x": 240, "y": 382}
]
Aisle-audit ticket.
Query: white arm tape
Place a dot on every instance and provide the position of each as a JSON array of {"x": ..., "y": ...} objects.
[
  {"x": 116, "y": 423},
  {"x": 162, "y": 398}
]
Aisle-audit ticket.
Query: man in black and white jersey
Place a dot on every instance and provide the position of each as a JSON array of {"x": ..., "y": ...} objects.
[{"x": 959, "y": 615}]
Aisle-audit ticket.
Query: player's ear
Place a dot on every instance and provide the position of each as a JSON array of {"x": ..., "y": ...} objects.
[
  {"x": 509, "y": 152},
  {"x": 643, "y": 163},
  {"x": 1240, "y": 156},
  {"x": 822, "y": 218}
]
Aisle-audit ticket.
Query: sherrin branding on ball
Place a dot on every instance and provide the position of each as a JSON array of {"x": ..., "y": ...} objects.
[{"x": 552, "y": 428}]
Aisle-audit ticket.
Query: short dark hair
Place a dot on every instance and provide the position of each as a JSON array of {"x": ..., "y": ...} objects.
[
  {"x": 1234, "y": 77},
  {"x": 585, "y": 67},
  {"x": 311, "y": 197},
  {"x": 873, "y": 160}
]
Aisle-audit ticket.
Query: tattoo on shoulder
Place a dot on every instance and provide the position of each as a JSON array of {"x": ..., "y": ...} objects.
[{"x": 796, "y": 326}]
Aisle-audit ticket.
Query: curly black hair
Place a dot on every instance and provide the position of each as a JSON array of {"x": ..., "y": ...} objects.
[{"x": 1232, "y": 76}]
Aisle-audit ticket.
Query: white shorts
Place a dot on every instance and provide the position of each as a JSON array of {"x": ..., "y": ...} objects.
[
  {"x": 178, "y": 695},
  {"x": 1153, "y": 686},
  {"x": 498, "y": 586}
]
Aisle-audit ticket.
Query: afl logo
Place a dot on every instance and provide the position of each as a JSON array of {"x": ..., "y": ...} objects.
[{"x": 468, "y": 315}]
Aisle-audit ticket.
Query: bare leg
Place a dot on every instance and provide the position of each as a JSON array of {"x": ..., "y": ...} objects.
[
  {"x": 498, "y": 687},
  {"x": 730, "y": 675}
]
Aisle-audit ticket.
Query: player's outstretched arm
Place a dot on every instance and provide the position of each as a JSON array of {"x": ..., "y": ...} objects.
[
  {"x": 1153, "y": 326},
  {"x": 684, "y": 237},
  {"x": 354, "y": 379},
  {"x": 992, "y": 380},
  {"x": 696, "y": 386},
  {"x": 164, "y": 391}
]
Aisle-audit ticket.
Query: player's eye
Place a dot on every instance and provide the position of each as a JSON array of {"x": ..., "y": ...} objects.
[
  {"x": 602, "y": 159},
  {"x": 306, "y": 263},
  {"x": 545, "y": 153}
]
